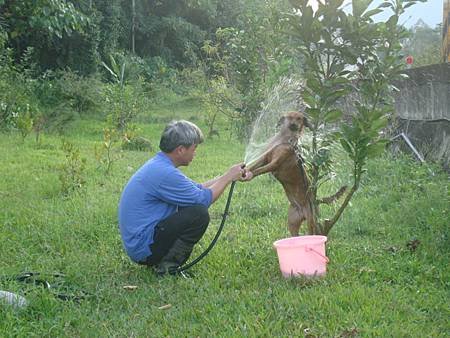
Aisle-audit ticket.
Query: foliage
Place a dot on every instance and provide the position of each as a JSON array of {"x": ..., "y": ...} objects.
[
  {"x": 210, "y": 82},
  {"x": 123, "y": 100},
  {"x": 52, "y": 27},
  {"x": 217, "y": 98},
  {"x": 61, "y": 97},
  {"x": 132, "y": 141},
  {"x": 52, "y": 16},
  {"x": 253, "y": 57},
  {"x": 25, "y": 123},
  {"x": 346, "y": 53},
  {"x": 423, "y": 44},
  {"x": 82, "y": 93},
  {"x": 107, "y": 153},
  {"x": 72, "y": 171},
  {"x": 16, "y": 95},
  {"x": 169, "y": 26},
  {"x": 123, "y": 103}
]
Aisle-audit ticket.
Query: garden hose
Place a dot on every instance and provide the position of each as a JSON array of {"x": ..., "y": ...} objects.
[{"x": 183, "y": 268}]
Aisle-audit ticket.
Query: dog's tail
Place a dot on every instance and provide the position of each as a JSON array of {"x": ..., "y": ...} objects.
[{"x": 333, "y": 198}]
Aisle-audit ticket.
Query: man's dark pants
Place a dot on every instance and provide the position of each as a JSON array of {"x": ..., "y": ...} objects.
[{"x": 187, "y": 224}]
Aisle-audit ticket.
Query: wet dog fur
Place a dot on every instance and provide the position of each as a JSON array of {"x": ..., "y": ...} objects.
[{"x": 282, "y": 159}]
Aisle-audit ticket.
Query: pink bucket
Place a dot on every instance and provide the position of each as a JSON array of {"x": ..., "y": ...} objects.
[{"x": 302, "y": 255}]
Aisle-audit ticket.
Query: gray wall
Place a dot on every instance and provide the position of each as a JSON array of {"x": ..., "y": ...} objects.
[
  {"x": 423, "y": 111},
  {"x": 425, "y": 95}
]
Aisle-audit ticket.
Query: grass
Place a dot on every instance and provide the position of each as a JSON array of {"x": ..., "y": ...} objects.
[{"x": 376, "y": 284}]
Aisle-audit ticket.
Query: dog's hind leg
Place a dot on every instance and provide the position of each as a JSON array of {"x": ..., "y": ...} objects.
[{"x": 295, "y": 219}]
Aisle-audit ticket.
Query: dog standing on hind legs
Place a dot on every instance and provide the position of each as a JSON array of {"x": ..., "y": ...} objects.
[{"x": 282, "y": 159}]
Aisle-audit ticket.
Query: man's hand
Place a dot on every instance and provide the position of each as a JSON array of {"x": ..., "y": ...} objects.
[
  {"x": 247, "y": 175},
  {"x": 236, "y": 172},
  {"x": 239, "y": 172}
]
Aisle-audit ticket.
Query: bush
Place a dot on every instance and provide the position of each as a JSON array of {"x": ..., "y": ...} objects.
[
  {"x": 82, "y": 93},
  {"x": 138, "y": 143},
  {"x": 15, "y": 97},
  {"x": 72, "y": 170}
]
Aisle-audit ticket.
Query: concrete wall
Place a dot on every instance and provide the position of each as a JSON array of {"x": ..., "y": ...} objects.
[
  {"x": 425, "y": 95},
  {"x": 423, "y": 111}
]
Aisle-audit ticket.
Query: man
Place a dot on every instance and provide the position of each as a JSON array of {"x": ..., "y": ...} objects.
[{"x": 163, "y": 213}]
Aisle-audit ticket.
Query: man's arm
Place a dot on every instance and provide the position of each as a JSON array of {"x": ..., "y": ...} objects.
[
  {"x": 218, "y": 184},
  {"x": 210, "y": 182}
]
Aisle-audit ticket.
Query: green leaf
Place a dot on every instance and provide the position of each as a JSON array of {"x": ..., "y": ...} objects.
[
  {"x": 385, "y": 4},
  {"x": 110, "y": 70},
  {"x": 313, "y": 113},
  {"x": 379, "y": 124},
  {"x": 309, "y": 100},
  {"x": 372, "y": 12},
  {"x": 333, "y": 115},
  {"x": 346, "y": 146},
  {"x": 376, "y": 149},
  {"x": 313, "y": 84},
  {"x": 359, "y": 7}
]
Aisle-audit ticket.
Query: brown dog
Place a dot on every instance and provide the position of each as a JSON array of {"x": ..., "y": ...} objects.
[{"x": 282, "y": 160}]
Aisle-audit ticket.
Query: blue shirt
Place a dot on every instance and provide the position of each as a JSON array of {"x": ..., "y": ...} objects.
[{"x": 152, "y": 194}]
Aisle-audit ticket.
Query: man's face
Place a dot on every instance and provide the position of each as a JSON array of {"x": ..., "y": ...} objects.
[{"x": 187, "y": 154}]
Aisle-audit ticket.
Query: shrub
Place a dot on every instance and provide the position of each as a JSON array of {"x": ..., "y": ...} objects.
[
  {"x": 25, "y": 123},
  {"x": 72, "y": 170},
  {"x": 106, "y": 154},
  {"x": 123, "y": 103},
  {"x": 82, "y": 93},
  {"x": 132, "y": 141}
]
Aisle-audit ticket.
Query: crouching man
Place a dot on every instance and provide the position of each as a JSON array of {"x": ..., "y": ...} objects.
[{"x": 163, "y": 213}]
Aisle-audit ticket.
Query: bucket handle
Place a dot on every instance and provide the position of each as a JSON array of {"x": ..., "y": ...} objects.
[{"x": 325, "y": 258}]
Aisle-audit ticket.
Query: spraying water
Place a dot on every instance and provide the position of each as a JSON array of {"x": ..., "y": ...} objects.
[{"x": 284, "y": 97}]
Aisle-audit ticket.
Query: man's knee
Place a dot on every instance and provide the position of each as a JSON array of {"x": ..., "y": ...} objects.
[{"x": 202, "y": 215}]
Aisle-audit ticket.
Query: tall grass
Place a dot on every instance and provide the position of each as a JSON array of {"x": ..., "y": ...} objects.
[{"x": 376, "y": 284}]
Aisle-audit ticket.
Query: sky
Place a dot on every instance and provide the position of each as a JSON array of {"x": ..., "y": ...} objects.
[{"x": 430, "y": 12}]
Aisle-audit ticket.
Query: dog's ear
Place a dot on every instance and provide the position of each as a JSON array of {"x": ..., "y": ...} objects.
[
  {"x": 306, "y": 123},
  {"x": 280, "y": 121}
]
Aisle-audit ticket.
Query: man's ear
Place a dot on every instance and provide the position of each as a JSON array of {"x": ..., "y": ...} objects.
[
  {"x": 180, "y": 149},
  {"x": 280, "y": 121}
]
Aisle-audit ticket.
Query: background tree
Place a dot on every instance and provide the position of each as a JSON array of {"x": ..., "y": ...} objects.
[
  {"x": 55, "y": 29},
  {"x": 424, "y": 44},
  {"x": 346, "y": 54},
  {"x": 255, "y": 55}
]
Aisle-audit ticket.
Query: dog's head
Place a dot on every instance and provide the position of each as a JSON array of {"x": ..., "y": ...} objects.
[{"x": 293, "y": 122}]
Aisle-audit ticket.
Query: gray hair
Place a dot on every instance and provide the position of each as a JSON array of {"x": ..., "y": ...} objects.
[{"x": 180, "y": 133}]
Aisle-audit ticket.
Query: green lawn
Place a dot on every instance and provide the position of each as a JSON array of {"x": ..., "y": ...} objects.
[{"x": 376, "y": 286}]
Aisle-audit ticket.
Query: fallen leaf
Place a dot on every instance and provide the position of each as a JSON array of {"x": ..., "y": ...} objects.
[
  {"x": 413, "y": 244},
  {"x": 165, "y": 307}
]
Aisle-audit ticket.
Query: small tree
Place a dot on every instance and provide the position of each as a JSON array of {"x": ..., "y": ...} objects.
[
  {"x": 107, "y": 153},
  {"x": 123, "y": 98},
  {"x": 24, "y": 123},
  {"x": 72, "y": 171},
  {"x": 346, "y": 54}
]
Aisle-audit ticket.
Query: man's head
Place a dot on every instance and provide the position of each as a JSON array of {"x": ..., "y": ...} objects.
[{"x": 180, "y": 139}]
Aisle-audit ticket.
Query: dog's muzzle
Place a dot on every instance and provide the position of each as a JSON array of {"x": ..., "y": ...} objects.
[{"x": 293, "y": 127}]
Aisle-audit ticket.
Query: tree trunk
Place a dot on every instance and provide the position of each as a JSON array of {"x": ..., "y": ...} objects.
[{"x": 133, "y": 25}]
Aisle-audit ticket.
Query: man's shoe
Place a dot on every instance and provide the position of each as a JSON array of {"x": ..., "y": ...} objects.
[
  {"x": 165, "y": 267},
  {"x": 175, "y": 257}
]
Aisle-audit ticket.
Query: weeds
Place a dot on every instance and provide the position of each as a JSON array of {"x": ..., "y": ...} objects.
[
  {"x": 24, "y": 123},
  {"x": 72, "y": 171},
  {"x": 107, "y": 153}
]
